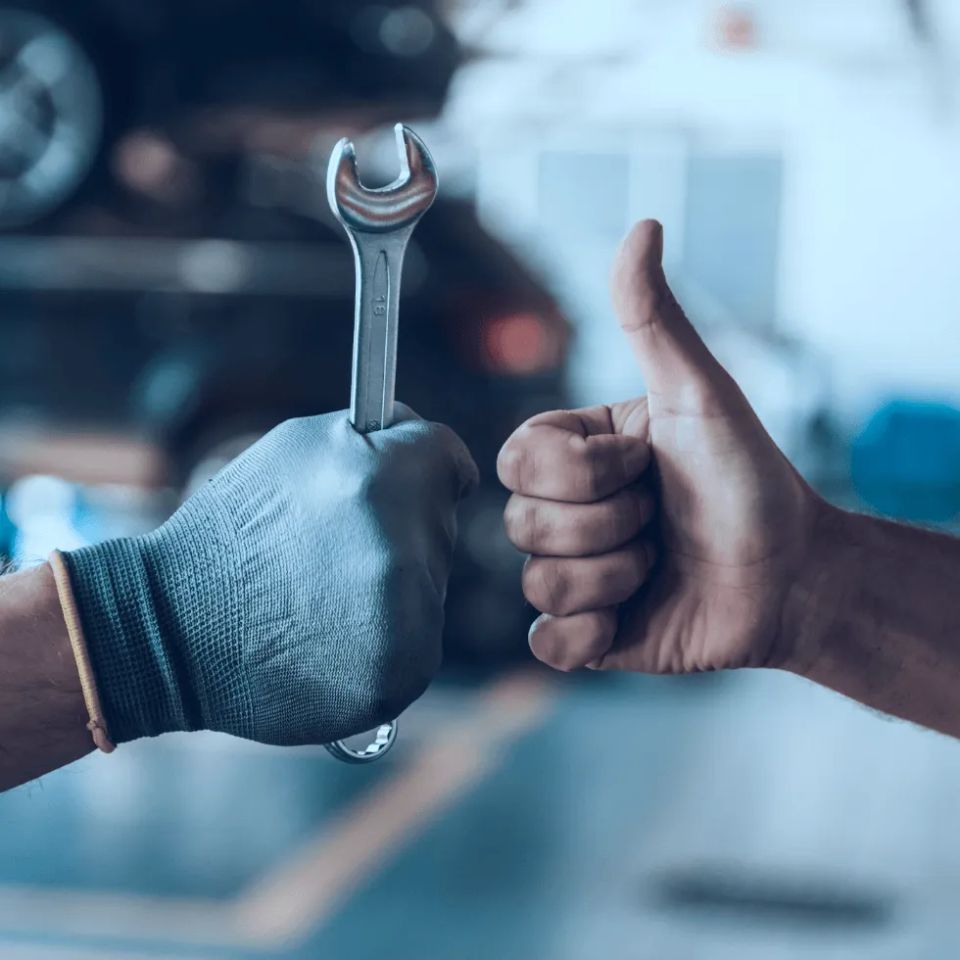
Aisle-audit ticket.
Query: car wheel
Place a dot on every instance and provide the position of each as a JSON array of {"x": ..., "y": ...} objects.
[{"x": 51, "y": 115}]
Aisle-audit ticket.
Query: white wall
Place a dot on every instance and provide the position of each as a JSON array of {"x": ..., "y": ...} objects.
[
  {"x": 869, "y": 129},
  {"x": 870, "y": 271}
]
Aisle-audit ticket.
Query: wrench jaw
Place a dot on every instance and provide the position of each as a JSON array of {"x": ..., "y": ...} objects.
[
  {"x": 395, "y": 207},
  {"x": 342, "y": 179},
  {"x": 416, "y": 164}
]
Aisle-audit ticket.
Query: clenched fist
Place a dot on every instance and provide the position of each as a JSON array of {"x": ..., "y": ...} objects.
[
  {"x": 664, "y": 531},
  {"x": 295, "y": 598}
]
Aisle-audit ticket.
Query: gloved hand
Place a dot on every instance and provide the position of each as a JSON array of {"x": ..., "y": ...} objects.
[{"x": 296, "y": 598}]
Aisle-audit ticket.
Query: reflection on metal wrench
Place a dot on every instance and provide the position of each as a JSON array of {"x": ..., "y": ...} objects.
[{"x": 379, "y": 223}]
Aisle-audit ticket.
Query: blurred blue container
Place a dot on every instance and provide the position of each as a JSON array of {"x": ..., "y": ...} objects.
[
  {"x": 906, "y": 461},
  {"x": 7, "y": 532}
]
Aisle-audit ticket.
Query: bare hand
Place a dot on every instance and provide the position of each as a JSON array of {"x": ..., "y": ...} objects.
[{"x": 664, "y": 531}]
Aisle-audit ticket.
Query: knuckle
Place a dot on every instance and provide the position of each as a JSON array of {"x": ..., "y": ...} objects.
[
  {"x": 277, "y": 440},
  {"x": 290, "y": 428},
  {"x": 446, "y": 439},
  {"x": 595, "y": 469},
  {"x": 604, "y": 467},
  {"x": 580, "y": 533},
  {"x": 297, "y": 431},
  {"x": 546, "y": 585},
  {"x": 524, "y": 523},
  {"x": 513, "y": 519},
  {"x": 596, "y": 636},
  {"x": 515, "y": 462},
  {"x": 424, "y": 439}
]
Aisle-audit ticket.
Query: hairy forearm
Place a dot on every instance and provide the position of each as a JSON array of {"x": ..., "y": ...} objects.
[
  {"x": 42, "y": 713},
  {"x": 877, "y": 618}
]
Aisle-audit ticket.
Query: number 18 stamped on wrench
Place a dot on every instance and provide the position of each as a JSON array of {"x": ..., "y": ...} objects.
[{"x": 379, "y": 223}]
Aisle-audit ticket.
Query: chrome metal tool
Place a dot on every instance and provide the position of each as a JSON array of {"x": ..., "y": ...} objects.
[{"x": 379, "y": 223}]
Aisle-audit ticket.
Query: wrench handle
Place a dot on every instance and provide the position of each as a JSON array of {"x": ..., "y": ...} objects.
[
  {"x": 379, "y": 224},
  {"x": 379, "y": 263}
]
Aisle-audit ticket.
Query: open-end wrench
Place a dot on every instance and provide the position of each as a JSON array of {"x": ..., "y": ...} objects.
[{"x": 379, "y": 223}]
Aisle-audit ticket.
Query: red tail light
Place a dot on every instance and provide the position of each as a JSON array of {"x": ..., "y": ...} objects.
[{"x": 520, "y": 343}]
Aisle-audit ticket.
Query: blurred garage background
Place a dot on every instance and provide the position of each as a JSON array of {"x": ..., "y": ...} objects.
[{"x": 172, "y": 284}]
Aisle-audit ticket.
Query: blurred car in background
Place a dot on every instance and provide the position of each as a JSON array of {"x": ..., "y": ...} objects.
[
  {"x": 75, "y": 78},
  {"x": 172, "y": 284}
]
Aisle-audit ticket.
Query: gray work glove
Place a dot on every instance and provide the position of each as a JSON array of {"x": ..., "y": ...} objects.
[{"x": 296, "y": 598}]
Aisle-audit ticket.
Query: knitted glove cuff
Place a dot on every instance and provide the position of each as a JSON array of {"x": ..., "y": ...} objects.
[{"x": 135, "y": 669}]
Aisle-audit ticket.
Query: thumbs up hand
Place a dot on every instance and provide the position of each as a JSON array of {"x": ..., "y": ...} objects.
[{"x": 664, "y": 532}]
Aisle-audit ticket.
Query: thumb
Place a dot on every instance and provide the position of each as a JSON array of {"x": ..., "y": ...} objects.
[{"x": 675, "y": 362}]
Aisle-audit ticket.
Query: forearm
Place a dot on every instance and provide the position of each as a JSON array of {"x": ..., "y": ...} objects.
[
  {"x": 42, "y": 713},
  {"x": 877, "y": 618}
]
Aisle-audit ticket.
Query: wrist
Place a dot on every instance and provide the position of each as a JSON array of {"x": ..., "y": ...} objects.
[
  {"x": 818, "y": 594},
  {"x": 42, "y": 712}
]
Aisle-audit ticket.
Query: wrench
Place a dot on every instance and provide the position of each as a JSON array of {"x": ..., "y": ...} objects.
[{"x": 379, "y": 224}]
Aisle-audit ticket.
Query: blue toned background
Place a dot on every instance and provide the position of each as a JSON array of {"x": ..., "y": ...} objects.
[{"x": 171, "y": 285}]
